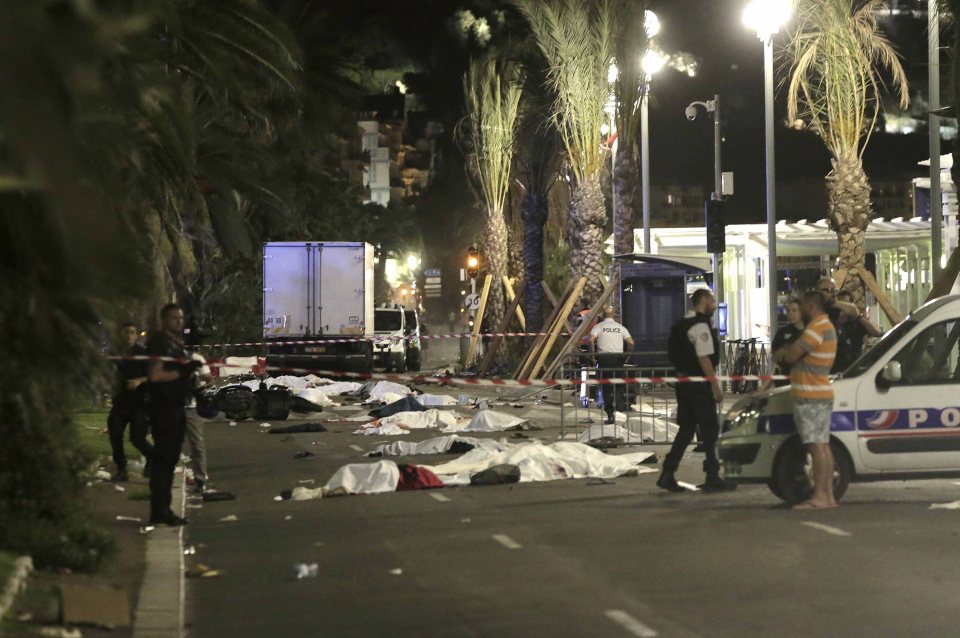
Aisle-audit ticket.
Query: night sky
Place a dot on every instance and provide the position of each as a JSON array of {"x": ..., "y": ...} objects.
[{"x": 419, "y": 33}]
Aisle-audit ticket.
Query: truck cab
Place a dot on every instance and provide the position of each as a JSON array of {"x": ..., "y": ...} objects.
[{"x": 390, "y": 337}]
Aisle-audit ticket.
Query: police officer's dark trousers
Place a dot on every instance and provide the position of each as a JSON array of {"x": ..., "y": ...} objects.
[
  {"x": 696, "y": 407},
  {"x": 613, "y": 394},
  {"x": 127, "y": 410},
  {"x": 168, "y": 421}
]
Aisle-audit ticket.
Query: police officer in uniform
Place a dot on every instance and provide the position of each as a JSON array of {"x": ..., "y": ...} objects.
[
  {"x": 699, "y": 355},
  {"x": 128, "y": 404},
  {"x": 607, "y": 339},
  {"x": 170, "y": 386}
]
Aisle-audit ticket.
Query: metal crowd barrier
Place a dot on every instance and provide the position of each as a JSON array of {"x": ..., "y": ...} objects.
[{"x": 648, "y": 413}]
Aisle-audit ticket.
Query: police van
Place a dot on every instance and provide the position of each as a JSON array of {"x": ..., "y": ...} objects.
[{"x": 896, "y": 414}]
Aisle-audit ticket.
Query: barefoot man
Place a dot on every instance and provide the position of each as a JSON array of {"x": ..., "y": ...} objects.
[{"x": 810, "y": 358}]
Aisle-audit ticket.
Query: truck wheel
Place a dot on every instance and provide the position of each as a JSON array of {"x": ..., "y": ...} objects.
[
  {"x": 413, "y": 359},
  {"x": 792, "y": 478}
]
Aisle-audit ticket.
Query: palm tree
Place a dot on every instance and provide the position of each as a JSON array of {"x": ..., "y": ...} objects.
[
  {"x": 575, "y": 36},
  {"x": 488, "y": 133},
  {"x": 837, "y": 54},
  {"x": 630, "y": 44}
]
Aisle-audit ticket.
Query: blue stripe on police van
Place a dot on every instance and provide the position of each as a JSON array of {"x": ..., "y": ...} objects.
[{"x": 875, "y": 422}]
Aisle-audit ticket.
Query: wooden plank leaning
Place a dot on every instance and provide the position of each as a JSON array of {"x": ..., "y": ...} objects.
[
  {"x": 582, "y": 328},
  {"x": 478, "y": 320},
  {"x": 495, "y": 343},
  {"x": 538, "y": 341},
  {"x": 888, "y": 309},
  {"x": 555, "y": 332},
  {"x": 554, "y": 302},
  {"x": 511, "y": 295},
  {"x": 948, "y": 276}
]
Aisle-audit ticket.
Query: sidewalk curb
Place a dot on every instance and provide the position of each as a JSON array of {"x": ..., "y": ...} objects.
[
  {"x": 160, "y": 606},
  {"x": 16, "y": 583}
]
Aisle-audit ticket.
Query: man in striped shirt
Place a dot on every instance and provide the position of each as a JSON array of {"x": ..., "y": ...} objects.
[{"x": 810, "y": 358}]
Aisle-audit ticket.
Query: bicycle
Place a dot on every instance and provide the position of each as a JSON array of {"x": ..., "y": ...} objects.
[{"x": 746, "y": 361}]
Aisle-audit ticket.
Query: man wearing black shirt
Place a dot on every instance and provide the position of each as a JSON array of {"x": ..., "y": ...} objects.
[
  {"x": 170, "y": 386},
  {"x": 128, "y": 404},
  {"x": 846, "y": 318}
]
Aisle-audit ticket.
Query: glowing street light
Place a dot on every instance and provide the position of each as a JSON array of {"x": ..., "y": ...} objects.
[
  {"x": 766, "y": 17},
  {"x": 651, "y": 64},
  {"x": 651, "y": 23}
]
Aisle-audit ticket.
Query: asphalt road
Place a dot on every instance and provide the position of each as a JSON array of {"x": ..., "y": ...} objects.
[{"x": 564, "y": 558}]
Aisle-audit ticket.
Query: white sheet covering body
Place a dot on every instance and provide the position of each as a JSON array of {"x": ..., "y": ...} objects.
[
  {"x": 436, "y": 445},
  {"x": 385, "y": 387},
  {"x": 427, "y": 399},
  {"x": 543, "y": 463},
  {"x": 488, "y": 421},
  {"x": 365, "y": 478}
]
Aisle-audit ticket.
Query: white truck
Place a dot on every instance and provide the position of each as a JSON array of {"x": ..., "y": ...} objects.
[{"x": 321, "y": 293}]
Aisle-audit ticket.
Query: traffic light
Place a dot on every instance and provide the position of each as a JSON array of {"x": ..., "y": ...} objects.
[
  {"x": 473, "y": 262},
  {"x": 716, "y": 223}
]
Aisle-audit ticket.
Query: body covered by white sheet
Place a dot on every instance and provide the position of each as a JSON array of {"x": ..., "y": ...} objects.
[
  {"x": 488, "y": 421},
  {"x": 387, "y": 429},
  {"x": 335, "y": 389},
  {"x": 431, "y": 418},
  {"x": 427, "y": 399},
  {"x": 365, "y": 478},
  {"x": 385, "y": 387},
  {"x": 543, "y": 463},
  {"x": 436, "y": 445}
]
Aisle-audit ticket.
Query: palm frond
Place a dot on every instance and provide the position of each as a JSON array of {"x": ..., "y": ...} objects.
[
  {"x": 838, "y": 55},
  {"x": 492, "y": 98},
  {"x": 575, "y": 38}
]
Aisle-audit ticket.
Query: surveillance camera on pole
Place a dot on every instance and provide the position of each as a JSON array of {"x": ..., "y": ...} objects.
[{"x": 715, "y": 221}]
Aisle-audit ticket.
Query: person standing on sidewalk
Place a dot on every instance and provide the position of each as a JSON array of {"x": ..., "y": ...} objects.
[
  {"x": 810, "y": 358},
  {"x": 170, "y": 388},
  {"x": 127, "y": 405},
  {"x": 607, "y": 339},
  {"x": 695, "y": 351}
]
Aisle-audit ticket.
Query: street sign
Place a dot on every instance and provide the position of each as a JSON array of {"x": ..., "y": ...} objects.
[
  {"x": 472, "y": 302},
  {"x": 431, "y": 272},
  {"x": 432, "y": 280}
]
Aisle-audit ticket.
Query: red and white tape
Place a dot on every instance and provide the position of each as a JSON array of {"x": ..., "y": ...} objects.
[
  {"x": 311, "y": 342},
  {"x": 452, "y": 380}
]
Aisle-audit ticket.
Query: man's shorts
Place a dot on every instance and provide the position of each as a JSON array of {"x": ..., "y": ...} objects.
[{"x": 812, "y": 417}]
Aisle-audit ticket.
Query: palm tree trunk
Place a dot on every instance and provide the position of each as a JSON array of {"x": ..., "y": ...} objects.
[
  {"x": 585, "y": 225},
  {"x": 848, "y": 197},
  {"x": 497, "y": 261},
  {"x": 534, "y": 217},
  {"x": 625, "y": 180}
]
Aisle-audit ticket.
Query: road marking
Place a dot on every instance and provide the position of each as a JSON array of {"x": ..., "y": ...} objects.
[
  {"x": 439, "y": 497},
  {"x": 506, "y": 541},
  {"x": 631, "y": 624},
  {"x": 688, "y": 486},
  {"x": 836, "y": 531},
  {"x": 357, "y": 448}
]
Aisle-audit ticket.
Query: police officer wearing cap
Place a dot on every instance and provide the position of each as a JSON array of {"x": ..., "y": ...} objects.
[
  {"x": 698, "y": 352},
  {"x": 607, "y": 339}
]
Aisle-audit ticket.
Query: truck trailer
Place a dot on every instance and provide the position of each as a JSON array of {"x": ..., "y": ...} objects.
[{"x": 322, "y": 293}]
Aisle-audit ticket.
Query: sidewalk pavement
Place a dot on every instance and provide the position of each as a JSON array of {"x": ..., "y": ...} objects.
[{"x": 160, "y": 607}]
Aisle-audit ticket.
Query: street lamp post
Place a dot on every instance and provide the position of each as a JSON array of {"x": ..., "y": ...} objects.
[
  {"x": 713, "y": 107},
  {"x": 766, "y": 17},
  {"x": 652, "y": 63}
]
